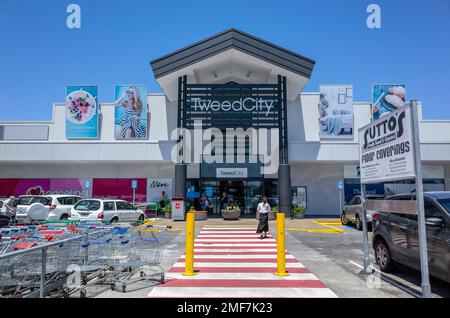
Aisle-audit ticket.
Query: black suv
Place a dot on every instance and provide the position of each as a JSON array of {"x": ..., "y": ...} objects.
[{"x": 396, "y": 238}]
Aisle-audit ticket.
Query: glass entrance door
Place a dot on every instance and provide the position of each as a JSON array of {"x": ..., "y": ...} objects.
[{"x": 246, "y": 194}]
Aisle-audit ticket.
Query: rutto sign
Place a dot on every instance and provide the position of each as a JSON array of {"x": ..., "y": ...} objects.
[
  {"x": 243, "y": 104},
  {"x": 386, "y": 148}
]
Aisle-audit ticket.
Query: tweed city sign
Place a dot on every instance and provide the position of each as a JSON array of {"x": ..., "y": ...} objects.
[{"x": 243, "y": 104}]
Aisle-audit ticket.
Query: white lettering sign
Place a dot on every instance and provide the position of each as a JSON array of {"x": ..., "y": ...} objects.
[
  {"x": 386, "y": 148},
  {"x": 244, "y": 104},
  {"x": 231, "y": 173}
]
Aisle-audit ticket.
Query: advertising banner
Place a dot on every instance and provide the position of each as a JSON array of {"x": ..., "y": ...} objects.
[
  {"x": 387, "y": 148},
  {"x": 155, "y": 187},
  {"x": 336, "y": 111},
  {"x": 386, "y": 99},
  {"x": 82, "y": 112},
  {"x": 120, "y": 189},
  {"x": 130, "y": 112},
  {"x": 18, "y": 187}
]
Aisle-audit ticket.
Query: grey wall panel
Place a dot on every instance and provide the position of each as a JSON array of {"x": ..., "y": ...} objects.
[
  {"x": 320, "y": 180},
  {"x": 25, "y": 132}
]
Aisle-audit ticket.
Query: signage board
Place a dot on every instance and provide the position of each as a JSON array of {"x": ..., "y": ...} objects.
[
  {"x": 231, "y": 172},
  {"x": 156, "y": 187},
  {"x": 387, "y": 148}
]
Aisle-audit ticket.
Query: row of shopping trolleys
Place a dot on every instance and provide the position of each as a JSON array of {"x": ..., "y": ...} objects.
[{"x": 60, "y": 260}]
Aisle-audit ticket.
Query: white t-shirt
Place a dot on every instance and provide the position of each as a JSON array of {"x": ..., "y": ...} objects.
[{"x": 263, "y": 208}]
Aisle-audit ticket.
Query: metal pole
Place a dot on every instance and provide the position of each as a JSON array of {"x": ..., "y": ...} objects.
[
  {"x": 134, "y": 195},
  {"x": 189, "y": 254},
  {"x": 43, "y": 271},
  {"x": 426, "y": 288},
  {"x": 365, "y": 232},
  {"x": 281, "y": 245}
]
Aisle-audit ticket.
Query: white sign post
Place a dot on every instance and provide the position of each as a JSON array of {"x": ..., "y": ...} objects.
[{"x": 390, "y": 150}]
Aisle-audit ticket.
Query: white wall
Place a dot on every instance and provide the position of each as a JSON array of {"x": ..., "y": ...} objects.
[{"x": 303, "y": 134}]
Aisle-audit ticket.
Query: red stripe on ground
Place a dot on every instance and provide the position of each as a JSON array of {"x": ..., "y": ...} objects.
[
  {"x": 244, "y": 283},
  {"x": 212, "y": 246},
  {"x": 238, "y": 260},
  {"x": 239, "y": 270}
]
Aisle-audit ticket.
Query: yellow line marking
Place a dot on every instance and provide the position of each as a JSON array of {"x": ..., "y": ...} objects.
[{"x": 329, "y": 228}]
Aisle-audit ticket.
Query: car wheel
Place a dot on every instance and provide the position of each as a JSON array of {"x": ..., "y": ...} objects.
[
  {"x": 383, "y": 256},
  {"x": 64, "y": 217},
  {"x": 115, "y": 220},
  {"x": 344, "y": 220},
  {"x": 358, "y": 223},
  {"x": 141, "y": 218}
]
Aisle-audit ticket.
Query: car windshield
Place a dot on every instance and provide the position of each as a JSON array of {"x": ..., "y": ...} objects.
[
  {"x": 445, "y": 204},
  {"x": 87, "y": 205}
]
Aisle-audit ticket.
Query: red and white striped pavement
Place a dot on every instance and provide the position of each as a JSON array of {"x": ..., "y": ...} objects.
[{"x": 236, "y": 263}]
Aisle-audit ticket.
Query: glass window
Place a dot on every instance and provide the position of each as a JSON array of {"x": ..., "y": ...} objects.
[
  {"x": 431, "y": 210},
  {"x": 445, "y": 204},
  {"x": 124, "y": 206},
  {"x": 68, "y": 200},
  {"x": 109, "y": 206},
  {"x": 87, "y": 205}
]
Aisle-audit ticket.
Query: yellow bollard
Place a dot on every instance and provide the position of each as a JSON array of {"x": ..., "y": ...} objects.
[
  {"x": 281, "y": 248},
  {"x": 190, "y": 231}
]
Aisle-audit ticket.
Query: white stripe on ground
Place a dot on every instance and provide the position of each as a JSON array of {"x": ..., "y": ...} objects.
[
  {"x": 229, "y": 232},
  {"x": 243, "y": 240},
  {"x": 237, "y": 276},
  {"x": 231, "y": 235},
  {"x": 240, "y": 292},
  {"x": 231, "y": 250},
  {"x": 212, "y": 257},
  {"x": 230, "y": 228},
  {"x": 240, "y": 264}
]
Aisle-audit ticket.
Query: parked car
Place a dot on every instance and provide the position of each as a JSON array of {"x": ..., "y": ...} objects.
[
  {"x": 31, "y": 208},
  {"x": 396, "y": 238},
  {"x": 106, "y": 210},
  {"x": 352, "y": 212}
]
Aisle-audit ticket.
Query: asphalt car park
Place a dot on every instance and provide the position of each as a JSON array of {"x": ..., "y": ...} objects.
[{"x": 337, "y": 258}]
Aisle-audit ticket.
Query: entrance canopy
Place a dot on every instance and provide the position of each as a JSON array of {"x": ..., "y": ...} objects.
[{"x": 232, "y": 56}]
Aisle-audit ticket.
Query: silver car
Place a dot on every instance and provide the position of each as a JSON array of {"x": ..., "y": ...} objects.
[{"x": 352, "y": 212}]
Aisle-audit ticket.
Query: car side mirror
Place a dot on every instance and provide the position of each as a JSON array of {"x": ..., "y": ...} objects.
[{"x": 435, "y": 222}]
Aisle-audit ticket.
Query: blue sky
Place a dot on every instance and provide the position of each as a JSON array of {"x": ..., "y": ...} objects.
[{"x": 39, "y": 55}]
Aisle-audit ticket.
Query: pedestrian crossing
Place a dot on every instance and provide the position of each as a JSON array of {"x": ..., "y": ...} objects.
[{"x": 233, "y": 262}]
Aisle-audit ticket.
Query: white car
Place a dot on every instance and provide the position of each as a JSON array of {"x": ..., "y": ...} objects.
[
  {"x": 106, "y": 210},
  {"x": 31, "y": 208}
]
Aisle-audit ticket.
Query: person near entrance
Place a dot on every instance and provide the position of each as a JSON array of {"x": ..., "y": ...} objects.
[
  {"x": 224, "y": 201},
  {"x": 204, "y": 202},
  {"x": 263, "y": 210}
]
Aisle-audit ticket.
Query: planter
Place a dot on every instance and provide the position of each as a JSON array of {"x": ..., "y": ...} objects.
[
  {"x": 167, "y": 215},
  {"x": 201, "y": 215},
  {"x": 299, "y": 216},
  {"x": 231, "y": 214}
]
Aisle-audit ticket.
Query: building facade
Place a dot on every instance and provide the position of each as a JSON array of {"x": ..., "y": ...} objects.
[{"x": 201, "y": 82}]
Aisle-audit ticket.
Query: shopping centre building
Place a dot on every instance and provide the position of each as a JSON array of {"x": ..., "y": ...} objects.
[{"x": 230, "y": 80}]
